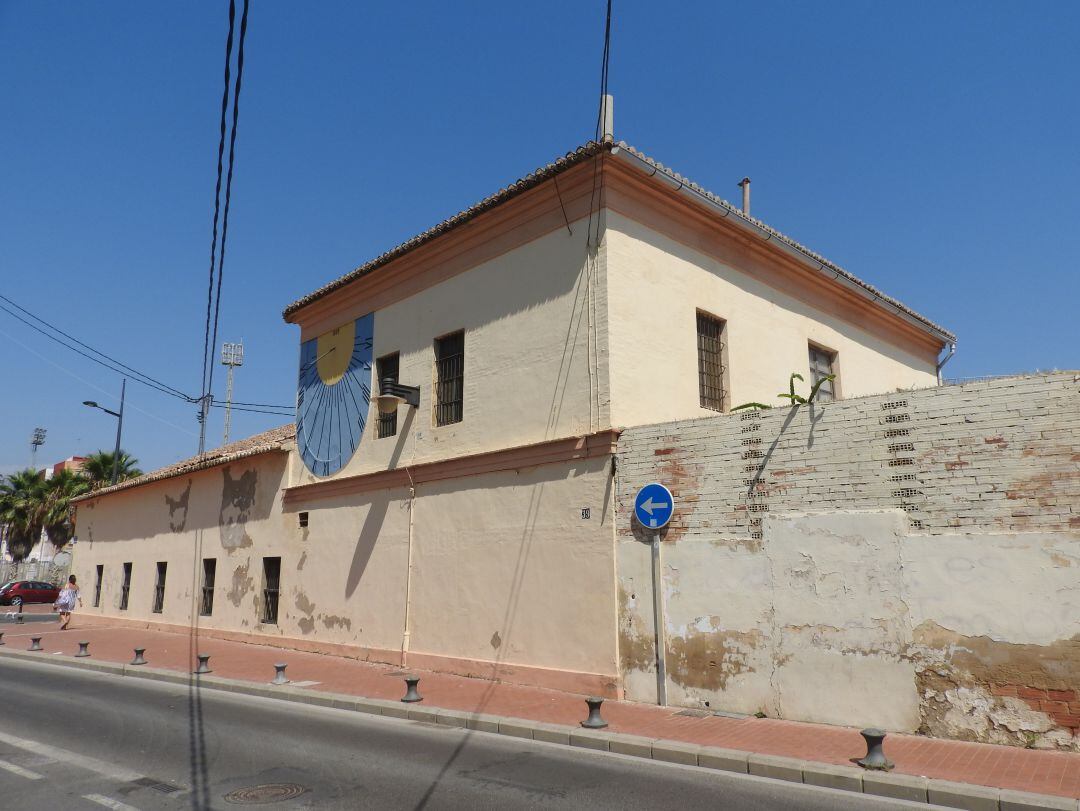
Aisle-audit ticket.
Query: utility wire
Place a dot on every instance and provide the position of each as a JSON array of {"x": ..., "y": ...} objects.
[
  {"x": 114, "y": 365},
  {"x": 228, "y": 180},
  {"x": 72, "y": 338},
  {"x": 217, "y": 200},
  {"x": 121, "y": 371}
]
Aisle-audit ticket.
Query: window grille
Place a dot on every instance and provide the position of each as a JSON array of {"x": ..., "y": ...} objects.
[
  {"x": 387, "y": 367},
  {"x": 159, "y": 588},
  {"x": 449, "y": 378},
  {"x": 821, "y": 366},
  {"x": 271, "y": 589},
  {"x": 710, "y": 345},
  {"x": 125, "y": 587},
  {"x": 97, "y": 584},
  {"x": 209, "y": 568}
]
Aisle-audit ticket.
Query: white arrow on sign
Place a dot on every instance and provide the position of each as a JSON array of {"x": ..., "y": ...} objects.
[{"x": 648, "y": 505}]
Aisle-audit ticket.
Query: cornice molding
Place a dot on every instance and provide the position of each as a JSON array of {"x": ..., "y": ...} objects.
[{"x": 589, "y": 446}]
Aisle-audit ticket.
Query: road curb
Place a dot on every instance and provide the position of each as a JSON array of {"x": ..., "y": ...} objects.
[{"x": 883, "y": 784}]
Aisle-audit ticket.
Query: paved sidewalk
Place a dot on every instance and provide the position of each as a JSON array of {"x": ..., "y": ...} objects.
[{"x": 1005, "y": 767}]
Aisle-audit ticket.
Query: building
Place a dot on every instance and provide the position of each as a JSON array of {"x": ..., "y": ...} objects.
[{"x": 475, "y": 529}]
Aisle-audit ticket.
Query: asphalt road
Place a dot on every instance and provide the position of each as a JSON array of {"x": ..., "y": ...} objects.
[{"x": 72, "y": 739}]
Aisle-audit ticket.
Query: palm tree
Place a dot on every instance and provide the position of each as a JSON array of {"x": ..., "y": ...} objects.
[
  {"x": 58, "y": 492},
  {"x": 22, "y": 511},
  {"x": 98, "y": 468}
]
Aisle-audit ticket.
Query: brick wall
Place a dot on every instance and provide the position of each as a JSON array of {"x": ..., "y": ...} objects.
[{"x": 999, "y": 455}]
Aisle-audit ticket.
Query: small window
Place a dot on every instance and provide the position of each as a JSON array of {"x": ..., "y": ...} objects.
[
  {"x": 303, "y": 518},
  {"x": 98, "y": 575},
  {"x": 271, "y": 589},
  {"x": 209, "y": 574},
  {"x": 823, "y": 364},
  {"x": 125, "y": 587},
  {"x": 449, "y": 378},
  {"x": 386, "y": 368},
  {"x": 159, "y": 588},
  {"x": 710, "y": 353}
]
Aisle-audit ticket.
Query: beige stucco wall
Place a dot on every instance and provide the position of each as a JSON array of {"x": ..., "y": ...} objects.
[
  {"x": 848, "y": 618},
  {"x": 534, "y": 360},
  {"x": 506, "y": 572},
  {"x": 655, "y": 287}
]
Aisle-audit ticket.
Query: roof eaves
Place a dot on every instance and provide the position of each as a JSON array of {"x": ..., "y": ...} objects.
[
  {"x": 519, "y": 186},
  {"x": 276, "y": 444}
]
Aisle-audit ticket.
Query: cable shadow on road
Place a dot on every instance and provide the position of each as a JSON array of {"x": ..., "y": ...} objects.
[{"x": 197, "y": 766}]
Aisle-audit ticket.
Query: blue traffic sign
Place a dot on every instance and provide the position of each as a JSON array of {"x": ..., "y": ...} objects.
[{"x": 654, "y": 506}]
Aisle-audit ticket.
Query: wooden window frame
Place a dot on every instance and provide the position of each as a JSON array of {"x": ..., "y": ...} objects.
[{"x": 834, "y": 369}]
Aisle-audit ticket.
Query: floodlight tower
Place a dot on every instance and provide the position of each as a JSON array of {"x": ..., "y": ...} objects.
[
  {"x": 37, "y": 439},
  {"x": 232, "y": 355}
]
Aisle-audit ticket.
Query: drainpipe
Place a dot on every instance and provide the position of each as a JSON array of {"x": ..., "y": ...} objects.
[
  {"x": 408, "y": 575},
  {"x": 944, "y": 360}
]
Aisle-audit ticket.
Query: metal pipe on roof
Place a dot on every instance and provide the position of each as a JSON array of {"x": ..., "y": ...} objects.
[
  {"x": 747, "y": 224},
  {"x": 944, "y": 360}
]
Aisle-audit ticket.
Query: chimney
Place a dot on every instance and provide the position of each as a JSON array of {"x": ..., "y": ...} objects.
[
  {"x": 607, "y": 118},
  {"x": 744, "y": 184}
]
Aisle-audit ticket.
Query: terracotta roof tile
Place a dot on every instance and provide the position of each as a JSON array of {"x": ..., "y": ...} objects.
[
  {"x": 272, "y": 440},
  {"x": 561, "y": 165}
]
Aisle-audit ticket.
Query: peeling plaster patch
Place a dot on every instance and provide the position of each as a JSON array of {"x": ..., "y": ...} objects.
[
  {"x": 737, "y": 544},
  {"x": 332, "y": 621},
  {"x": 706, "y": 660},
  {"x": 980, "y": 689},
  {"x": 306, "y": 607},
  {"x": 241, "y": 584},
  {"x": 237, "y": 499},
  {"x": 496, "y": 640},
  {"x": 303, "y": 560},
  {"x": 637, "y": 649},
  {"x": 178, "y": 505}
]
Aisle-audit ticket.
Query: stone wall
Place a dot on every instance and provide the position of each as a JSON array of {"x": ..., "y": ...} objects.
[{"x": 910, "y": 560}]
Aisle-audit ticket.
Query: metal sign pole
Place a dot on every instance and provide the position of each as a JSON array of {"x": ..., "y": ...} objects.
[{"x": 658, "y": 621}]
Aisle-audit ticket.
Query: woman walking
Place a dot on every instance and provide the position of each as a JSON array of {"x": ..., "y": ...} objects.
[{"x": 65, "y": 603}]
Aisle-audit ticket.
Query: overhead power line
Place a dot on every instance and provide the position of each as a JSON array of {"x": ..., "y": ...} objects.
[
  {"x": 151, "y": 381},
  {"x": 73, "y": 344},
  {"x": 217, "y": 253}
]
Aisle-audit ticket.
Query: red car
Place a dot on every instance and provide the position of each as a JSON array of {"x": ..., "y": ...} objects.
[{"x": 18, "y": 592}]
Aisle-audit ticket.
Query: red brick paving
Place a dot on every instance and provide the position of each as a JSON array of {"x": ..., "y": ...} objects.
[{"x": 984, "y": 764}]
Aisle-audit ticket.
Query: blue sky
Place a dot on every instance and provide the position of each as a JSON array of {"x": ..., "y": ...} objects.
[{"x": 930, "y": 148}]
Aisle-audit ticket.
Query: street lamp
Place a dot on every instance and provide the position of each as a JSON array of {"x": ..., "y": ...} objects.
[{"x": 119, "y": 425}]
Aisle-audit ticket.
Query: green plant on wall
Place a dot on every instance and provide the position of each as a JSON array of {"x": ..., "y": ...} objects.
[{"x": 790, "y": 395}]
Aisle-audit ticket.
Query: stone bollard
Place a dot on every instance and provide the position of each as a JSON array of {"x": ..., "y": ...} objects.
[
  {"x": 83, "y": 649},
  {"x": 279, "y": 674},
  {"x": 875, "y": 753},
  {"x": 410, "y": 694},
  {"x": 594, "y": 721},
  {"x": 35, "y": 643},
  {"x": 204, "y": 666},
  {"x": 139, "y": 658}
]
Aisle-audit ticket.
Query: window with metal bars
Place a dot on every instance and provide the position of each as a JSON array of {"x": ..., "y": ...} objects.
[
  {"x": 710, "y": 351},
  {"x": 125, "y": 587},
  {"x": 209, "y": 575},
  {"x": 271, "y": 590},
  {"x": 822, "y": 364},
  {"x": 449, "y": 378},
  {"x": 97, "y": 584},
  {"x": 159, "y": 588},
  {"x": 386, "y": 368}
]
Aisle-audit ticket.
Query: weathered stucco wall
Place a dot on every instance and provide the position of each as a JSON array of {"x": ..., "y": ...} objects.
[
  {"x": 503, "y": 566},
  {"x": 655, "y": 288},
  {"x": 960, "y": 617},
  {"x": 534, "y": 366}
]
